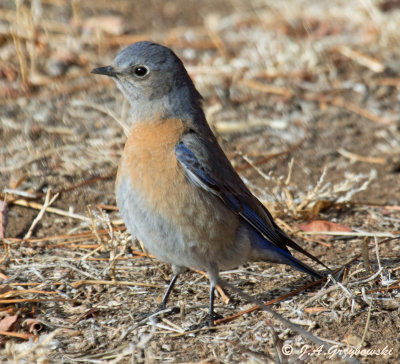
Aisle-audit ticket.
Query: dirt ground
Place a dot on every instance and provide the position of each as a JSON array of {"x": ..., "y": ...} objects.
[{"x": 304, "y": 98}]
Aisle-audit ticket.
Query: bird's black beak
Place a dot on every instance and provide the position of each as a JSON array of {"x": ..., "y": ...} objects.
[{"x": 108, "y": 71}]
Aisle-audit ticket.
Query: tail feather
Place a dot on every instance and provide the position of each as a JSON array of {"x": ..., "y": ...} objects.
[{"x": 267, "y": 251}]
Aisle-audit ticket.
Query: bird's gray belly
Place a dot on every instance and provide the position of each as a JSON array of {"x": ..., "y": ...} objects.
[{"x": 182, "y": 244}]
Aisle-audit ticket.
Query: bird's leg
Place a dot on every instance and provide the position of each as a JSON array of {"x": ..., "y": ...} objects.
[
  {"x": 163, "y": 303},
  {"x": 212, "y": 315},
  {"x": 167, "y": 293}
]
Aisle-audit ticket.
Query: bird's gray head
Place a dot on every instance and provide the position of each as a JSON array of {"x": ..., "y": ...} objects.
[{"x": 154, "y": 81}]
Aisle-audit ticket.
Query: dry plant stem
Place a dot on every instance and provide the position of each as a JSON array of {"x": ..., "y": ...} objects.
[
  {"x": 270, "y": 89},
  {"x": 371, "y": 278},
  {"x": 33, "y": 284},
  {"x": 142, "y": 322},
  {"x": 56, "y": 211},
  {"x": 85, "y": 235},
  {"x": 18, "y": 335},
  {"x": 21, "y": 58},
  {"x": 168, "y": 325},
  {"x": 386, "y": 289},
  {"x": 47, "y": 203},
  {"x": 36, "y": 300},
  {"x": 354, "y": 234},
  {"x": 367, "y": 323},
  {"x": 365, "y": 256},
  {"x": 113, "y": 254},
  {"x": 372, "y": 63},
  {"x": 290, "y": 171},
  {"x": 286, "y": 322},
  {"x": 360, "y": 158},
  {"x": 22, "y": 193},
  {"x": 114, "y": 283},
  {"x": 211, "y": 26},
  {"x": 317, "y": 296},
  {"x": 377, "y": 255},
  {"x": 53, "y": 210},
  {"x": 288, "y": 194},
  {"x": 3, "y": 222},
  {"x": 358, "y": 110},
  {"x": 312, "y": 196},
  {"x": 93, "y": 229},
  {"x": 26, "y": 291}
]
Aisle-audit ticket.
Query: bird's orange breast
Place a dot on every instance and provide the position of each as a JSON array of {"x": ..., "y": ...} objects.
[{"x": 150, "y": 163}]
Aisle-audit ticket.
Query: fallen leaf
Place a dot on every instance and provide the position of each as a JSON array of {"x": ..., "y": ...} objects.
[
  {"x": 321, "y": 225},
  {"x": 315, "y": 309},
  {"x": 7, "y": 322}
]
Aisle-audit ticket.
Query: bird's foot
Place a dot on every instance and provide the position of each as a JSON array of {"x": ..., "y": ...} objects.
[
  {"x": 158, "y": 312},
  {"x": 208, "y": 322}
]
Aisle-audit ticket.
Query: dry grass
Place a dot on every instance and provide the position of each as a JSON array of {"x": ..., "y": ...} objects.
[{"x": 303, "y": 95}]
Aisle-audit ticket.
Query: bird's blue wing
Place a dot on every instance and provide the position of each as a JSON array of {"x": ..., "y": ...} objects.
[{"x": 237, "y": 197}]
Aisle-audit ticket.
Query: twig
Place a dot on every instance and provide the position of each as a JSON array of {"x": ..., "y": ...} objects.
[
  {"x": 36, "y": 300},
  {"x": 37, "y": 206},
  {"x": 377, "y": 256},
  {"x": 364, "y": 60},
  {"x": 3, "y": 224},
  {"x": 18, "y": 334},
  {"x": 385, "y": 289},
  {"x": 358, "y": 110},
  {"x": 367, "y": 323},
  {"x": 25, "y": 291},
  {"x": 47, "y": 203},
  {"x": 352, "y": 233},
  {"x": 114, "y": 283},
  {"x": 365, "y": 255},
  {"x": 85, "y": 235},
  {"x": 361, "y": 158},
  {"x": 376, "y": 274},
  {"x": 211, "y": 23},
  {"x": 270, "y": 89}
]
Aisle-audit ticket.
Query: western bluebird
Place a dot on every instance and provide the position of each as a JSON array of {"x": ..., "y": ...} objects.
[{"x": 176, "y": 189}]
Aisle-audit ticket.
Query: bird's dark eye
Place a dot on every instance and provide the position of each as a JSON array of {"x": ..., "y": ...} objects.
[{"x": 140, "y": 71}]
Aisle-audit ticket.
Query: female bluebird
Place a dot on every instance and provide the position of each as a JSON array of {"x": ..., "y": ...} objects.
[{"x": 176, "y": 190}]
